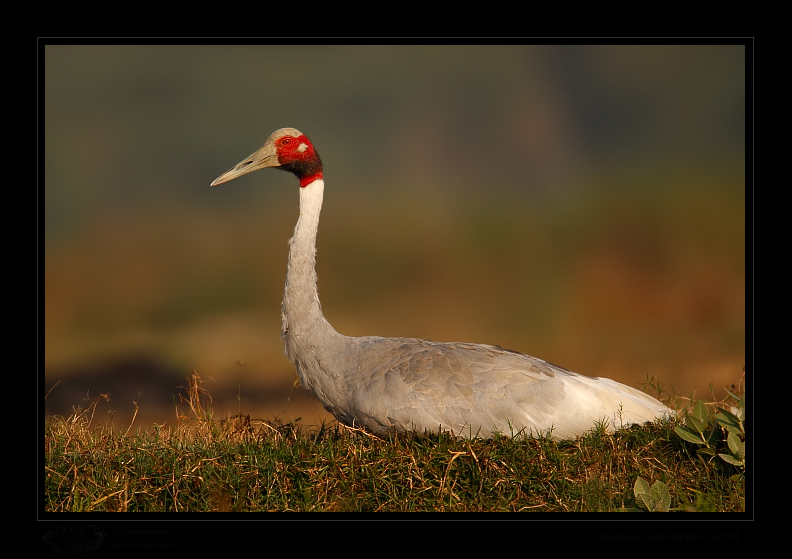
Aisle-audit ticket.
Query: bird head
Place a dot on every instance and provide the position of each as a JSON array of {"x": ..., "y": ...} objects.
[{"x": 287, "y": 149}]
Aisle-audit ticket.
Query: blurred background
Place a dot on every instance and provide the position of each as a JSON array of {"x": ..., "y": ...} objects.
[{"x": 583, "y": 204}]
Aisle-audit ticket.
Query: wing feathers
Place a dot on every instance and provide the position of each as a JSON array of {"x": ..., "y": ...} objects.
[{"x": 402, "y": 384}]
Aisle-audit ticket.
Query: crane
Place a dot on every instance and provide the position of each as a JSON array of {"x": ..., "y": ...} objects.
[{"x": 396, "y": 385}]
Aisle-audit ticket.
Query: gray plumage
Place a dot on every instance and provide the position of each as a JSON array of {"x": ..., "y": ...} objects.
[{"x": 388, "y": 385}]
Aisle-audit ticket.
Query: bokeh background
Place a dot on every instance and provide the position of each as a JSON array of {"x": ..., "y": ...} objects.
[{"x": 584, "y": 204}]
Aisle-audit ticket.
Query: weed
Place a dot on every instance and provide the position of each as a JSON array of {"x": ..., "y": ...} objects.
[{"x": 719, "y": 429}]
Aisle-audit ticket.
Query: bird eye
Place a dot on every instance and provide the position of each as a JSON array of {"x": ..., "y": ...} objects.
[{"x": 285, "y": 141}]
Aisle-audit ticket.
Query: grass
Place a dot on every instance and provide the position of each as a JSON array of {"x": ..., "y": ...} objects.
[{"x": 241, "y": 464}]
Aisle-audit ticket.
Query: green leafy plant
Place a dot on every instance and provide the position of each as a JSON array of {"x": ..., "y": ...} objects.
[
  {"x": 698, "y": 429},
  {"x": 653, "y": 499},
  {"x": 732, "y": 420},
  {"x": 702, "y": 427}
]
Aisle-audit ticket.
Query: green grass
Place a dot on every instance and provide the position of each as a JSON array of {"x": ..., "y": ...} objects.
[{"x": 239, "y": 464}]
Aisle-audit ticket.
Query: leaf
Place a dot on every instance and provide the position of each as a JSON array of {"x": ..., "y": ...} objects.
[
  {"x": 655, "y": 498},
  {"x": 732, "y": 394},
  {"x": 697, "y": 424},
  {"x": 732, "y": 460},
  {"x": 736, "y": 445},
  {"x": 660, "y": 496},
  {"x": 707, "y": 450},
  {"x": 641, "y": 490},
  {"x": 641, "y": 486},
  {"x": 700, "y": 412},
  {"x": 688, "y": 435},
  {"x": 728, "y": 420}
]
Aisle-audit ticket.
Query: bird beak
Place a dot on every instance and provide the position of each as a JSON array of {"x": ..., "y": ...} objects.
[{"x": 265, "y": 157}]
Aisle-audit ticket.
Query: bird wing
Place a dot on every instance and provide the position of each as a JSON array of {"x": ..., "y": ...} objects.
[{"x": 405, "y": 384}]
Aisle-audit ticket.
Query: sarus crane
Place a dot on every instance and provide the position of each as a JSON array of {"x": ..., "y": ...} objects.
[{"x": 397, "y": 385}]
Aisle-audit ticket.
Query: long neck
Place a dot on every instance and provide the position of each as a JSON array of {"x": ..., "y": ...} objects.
[{"x": 305, "y": 329}]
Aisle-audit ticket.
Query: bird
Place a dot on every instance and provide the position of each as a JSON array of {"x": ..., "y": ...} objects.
[{"x": 398, "y": 385}]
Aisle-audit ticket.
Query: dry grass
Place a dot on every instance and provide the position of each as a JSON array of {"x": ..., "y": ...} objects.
[{"x": 240, "y": 464}]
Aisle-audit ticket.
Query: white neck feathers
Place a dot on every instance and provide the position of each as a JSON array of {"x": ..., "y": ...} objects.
[{"x": 304, "y": 325}]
